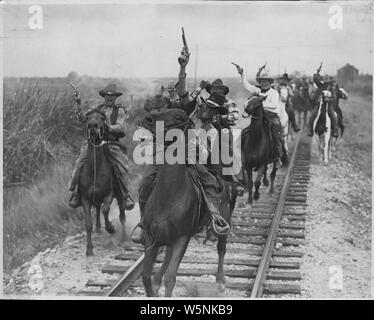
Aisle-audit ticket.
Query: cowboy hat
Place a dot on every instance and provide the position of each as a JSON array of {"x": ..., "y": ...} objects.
[
  {"x": 218, "y": 86},
  {"x": 285, "y": 77},
  {"x": 110, "y": 89},
  {"x": 265, "y": 76},
  {"x": 216, "y": 100}
]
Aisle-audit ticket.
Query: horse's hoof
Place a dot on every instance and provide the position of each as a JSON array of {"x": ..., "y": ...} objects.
[
  {"x": 89, "y": 253},
  {"x": 221, "y": 287},
  {"x": 250, "y": 201},
  {"x": 325, "y": 163},
  {"x": 265, "y": 182},
  {"x": 256, "y": 196},
  {"x": 271, "y": 192},
  {"x": 110, "y": 228}
]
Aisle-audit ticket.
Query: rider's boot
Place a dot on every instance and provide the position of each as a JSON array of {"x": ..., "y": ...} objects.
[
  {"x": 284, "y": 158},
  {"x": 278, "y": 163},
  {"x": 74, "y": 200},
  {"x": 129, "y": 203},
  {"x": 238, "y": 185},
  {"x": 138, "y": 234},
  {"x": 311, "y": 121},
  {"x": 334, "y": 124}
]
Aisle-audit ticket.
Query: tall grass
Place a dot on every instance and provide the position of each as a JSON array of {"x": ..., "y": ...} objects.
[{"x": 37, "y": 126}]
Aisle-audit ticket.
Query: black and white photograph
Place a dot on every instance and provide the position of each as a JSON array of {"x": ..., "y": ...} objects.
[{"x": 186, "y": 149}]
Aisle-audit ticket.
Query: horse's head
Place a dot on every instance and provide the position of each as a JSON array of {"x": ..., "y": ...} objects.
[
  {"x": 170, "y": 118},
  {"x": 95, "y": 125},
  {"x": 253, "y": 103}
]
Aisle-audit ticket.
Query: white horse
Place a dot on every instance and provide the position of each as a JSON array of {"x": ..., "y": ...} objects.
[{"x": 322, "y": 127}]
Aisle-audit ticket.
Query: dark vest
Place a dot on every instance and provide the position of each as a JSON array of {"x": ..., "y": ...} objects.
[{"x": 113, "y": 120}]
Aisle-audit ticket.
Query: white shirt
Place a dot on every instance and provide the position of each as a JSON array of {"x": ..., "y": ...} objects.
[{"x": 271, "y": 103}]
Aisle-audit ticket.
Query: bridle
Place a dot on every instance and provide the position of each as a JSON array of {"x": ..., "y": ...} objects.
[{"x": 95, "y": 146}]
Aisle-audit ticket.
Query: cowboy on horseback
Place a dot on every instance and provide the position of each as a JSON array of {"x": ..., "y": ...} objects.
[
  {"x": 115, "y": 119},
  {"x": 286, "y": 94},
  {"x": 327, "y": 93},
  {"x": 202, "y": 116},
  {"x": 271, "y": 110},
  {"x": 340, "y": 93}
]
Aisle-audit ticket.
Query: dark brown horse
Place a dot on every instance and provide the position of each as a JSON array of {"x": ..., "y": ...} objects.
[
  {"x": 97, "y": 183},
  {"x": 174, "y": 211},
  {"x": 257, "y": 148},
  {"x": 301, "y": 102}
]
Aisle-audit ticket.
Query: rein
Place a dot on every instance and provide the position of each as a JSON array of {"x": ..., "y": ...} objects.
[{"x": 102, "y": 142}]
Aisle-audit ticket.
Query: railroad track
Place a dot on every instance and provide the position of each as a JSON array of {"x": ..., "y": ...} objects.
[{"x": 264, "y": 248}]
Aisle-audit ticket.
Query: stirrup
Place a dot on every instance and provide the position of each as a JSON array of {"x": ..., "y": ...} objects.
[
  {"x": 140, "y": 237},
  {"x": 220, "y": 227},
  {"x": 129, "y": 204}
]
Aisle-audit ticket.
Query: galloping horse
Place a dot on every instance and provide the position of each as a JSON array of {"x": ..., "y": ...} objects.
[
  {"x": 257, "y": 148},
  {"x": 97, "y": 184},
  {"x": 174, "y": 211},
  {"x": 301, "y": 102},
  {"x": 322, "y": 127}
]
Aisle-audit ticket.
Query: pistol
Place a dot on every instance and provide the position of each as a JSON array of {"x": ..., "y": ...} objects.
[
  {"x": 184, "y": 41},
  {"x": 236, "y": 65}
]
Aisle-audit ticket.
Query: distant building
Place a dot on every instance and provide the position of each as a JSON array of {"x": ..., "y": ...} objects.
[{"x": 347, "y": 74}]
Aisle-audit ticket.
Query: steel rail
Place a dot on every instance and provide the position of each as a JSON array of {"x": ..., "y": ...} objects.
[
  {"x": 125, "y": 281},
  {"x": 258, "y": 284}
]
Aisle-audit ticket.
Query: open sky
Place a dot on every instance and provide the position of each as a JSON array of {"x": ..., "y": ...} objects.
[{"x": 144, "y": 40}]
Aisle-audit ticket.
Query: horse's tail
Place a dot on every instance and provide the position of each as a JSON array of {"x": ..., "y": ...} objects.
[{"x": 163, "y": 232}]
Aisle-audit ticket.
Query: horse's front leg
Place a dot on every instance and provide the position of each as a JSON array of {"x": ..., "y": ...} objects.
[
  {"x": 265, "y": 180},
  {"x": 88, "y": 224},
  {"x": 157, "y": 278},
  {"x": 98, "y": 222},
  {"x": 272, "y": 178},
  {"x": 179, "y": 248},
  {"x": 250, "y": 183},
  {"x": 150, "y": 254},
  {"x": 105, "y": 209},
  {"x": 326, "y": 150},
  {"x": 260, "y": 173},
  {"x": 221, "y": 250},
  {"x": 122, "y": 219}
]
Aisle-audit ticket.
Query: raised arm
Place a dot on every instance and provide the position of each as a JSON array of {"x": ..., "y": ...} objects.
[
  {"x": 78, "y": 106},
  {"x": 181, "y": 87},
  {"x": 251, "y": 88}
]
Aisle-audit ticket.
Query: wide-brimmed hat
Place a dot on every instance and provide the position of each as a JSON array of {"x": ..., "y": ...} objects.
[
  {"x": 285, "y": 77},
  {"x": 216, "y": 100},
  {"x": 110, "y": 89},
  {"x": 217, "y": 86},
  {"x": 265, "y": 76}
]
